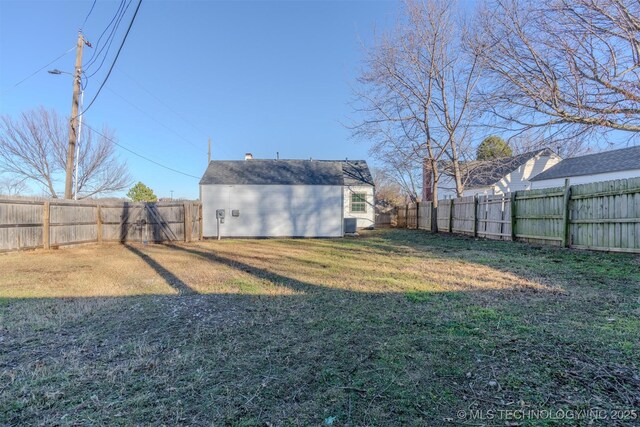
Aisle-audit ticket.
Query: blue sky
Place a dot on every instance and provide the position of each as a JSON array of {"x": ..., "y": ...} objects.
[{"x": 260, "y": 77}]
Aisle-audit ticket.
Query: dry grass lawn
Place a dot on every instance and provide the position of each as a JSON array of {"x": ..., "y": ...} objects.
[{"x": 394, "y": 327}]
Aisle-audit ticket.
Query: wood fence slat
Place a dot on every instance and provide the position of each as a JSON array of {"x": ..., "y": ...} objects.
[
  {"x": 46, "y": 223},
  {"x": 46, "y": 226},
  {"x": 598, "y": 216}
]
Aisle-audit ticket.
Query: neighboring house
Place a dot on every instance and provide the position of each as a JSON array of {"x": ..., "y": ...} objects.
[
  {"x": 605, "y": 166},
  {"x": 498, "y": 176},
  {"x": 285, "y": 198}
]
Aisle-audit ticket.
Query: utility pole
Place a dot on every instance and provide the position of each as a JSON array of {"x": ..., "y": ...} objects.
[
  {"x": 73, "y": 122},
  {"x": 209, "y": 160},
  {"x": 75, "y": 192}
]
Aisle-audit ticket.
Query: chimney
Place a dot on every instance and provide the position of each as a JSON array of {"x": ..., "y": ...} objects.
[{"x": 248, "y": 156}]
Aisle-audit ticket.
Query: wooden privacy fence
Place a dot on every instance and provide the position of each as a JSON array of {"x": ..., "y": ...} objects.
[
  {"x": 414, "y": 215},
  {"x": 386, "y": 219},
  {"x": 600, "y": 216},
  {"x": 27, "y": 224}
]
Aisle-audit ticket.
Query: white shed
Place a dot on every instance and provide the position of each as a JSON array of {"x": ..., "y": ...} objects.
[
  {"x": 598, "y": 167},
  {"x": 273, "y": 198}
]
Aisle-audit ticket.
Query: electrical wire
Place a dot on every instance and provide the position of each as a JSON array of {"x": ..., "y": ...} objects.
[
  {"x": 96, "y": 50},
  {"x": 153, "y": 118},
  {"x": 140, "y": 155},
  {"x": 109, "y": 41},
  {"x": 163, "y": 103},
  {"x": 114, "y": 59},
  {"x": 88, "y": 14},
  {"x": 38, "y": 70}
]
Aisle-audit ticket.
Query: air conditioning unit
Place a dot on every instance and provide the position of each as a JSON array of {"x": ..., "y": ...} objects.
[{"x": 350, "y": 225}]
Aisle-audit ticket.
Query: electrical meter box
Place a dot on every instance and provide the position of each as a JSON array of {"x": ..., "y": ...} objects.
[{"x": 220, "y": 215}]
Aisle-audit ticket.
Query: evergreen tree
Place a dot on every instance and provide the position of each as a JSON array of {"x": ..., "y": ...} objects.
[
  {"x": 493, "y": 147},
  {"x": 141, "y": 193}
]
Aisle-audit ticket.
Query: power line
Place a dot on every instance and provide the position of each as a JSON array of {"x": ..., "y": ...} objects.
[
  {"x": 88, "y": 14},
  {"x": 140, "y": 155},
  {"x": 163, "y": 103},
  {"x": 97, "y": 51},
  {"x": 153, "y": 118},
  {"x": 38, "y": 70},
  {"x": 114, "y": 59},
  {"x": 108, "y": 43}
]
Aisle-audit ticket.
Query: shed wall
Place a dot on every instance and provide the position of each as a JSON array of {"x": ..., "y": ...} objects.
[
  {"x": 365, "y": 219},
  {"x": 273, "y": 210}
]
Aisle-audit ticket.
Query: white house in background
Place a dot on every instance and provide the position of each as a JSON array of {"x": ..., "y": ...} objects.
[
  {"x": 605, "y": 166},
  {"x": 285, "y": 198},
  {"x": 499, "y": 176}
]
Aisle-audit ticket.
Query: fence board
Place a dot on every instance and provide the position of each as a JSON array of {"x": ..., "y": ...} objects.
[
  {"x": 606, "y": 215},
  {"x": 598, "y": 216},
  {"x": 539, "y": 216},
  {"x": 20, "y": 225},
  {"x": 386, "y": 219},
  {"x": 424, "y": 217},
  {"x": 464, "y": 215},
  {"x": 443, "y": 215},
  {"x": 412, "y": 215},
  {"x": 402, "y": 217},
  {"x": 494, "y": 216},
  {"x": 71, "y": 222}
]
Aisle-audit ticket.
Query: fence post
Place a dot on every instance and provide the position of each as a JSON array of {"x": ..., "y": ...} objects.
[
  {"x": 417, "y": 215},
  {"x": 46, "y": 239},
  {"x": 451, "y": 215},
  {"x": 187, "y": 221},
  {"x": 406, "y": 216},
  {"x": 434, "y": 216},
  {"x": 513, "y": 214},
  {"x": 475, "y": 215},
  {"x": 99, "y": 223},
  {"x": 200, "y": 231},
  {"x": 566, "y": 241}
]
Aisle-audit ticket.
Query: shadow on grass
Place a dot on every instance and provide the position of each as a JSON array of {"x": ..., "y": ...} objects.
[
  {"x": 171, "y": 279},
  {"x": 259, "y": 273},
  {"x": 529, "y": 261},
  {"x": 324, "y": 355}
]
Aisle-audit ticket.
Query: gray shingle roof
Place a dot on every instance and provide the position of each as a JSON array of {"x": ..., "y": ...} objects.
[
  {"x": 488, "y": 172},
  {"x": 355, "y": 172},
  {"x": 591, "y": 164},
  {"x": 286, "y": 172}
]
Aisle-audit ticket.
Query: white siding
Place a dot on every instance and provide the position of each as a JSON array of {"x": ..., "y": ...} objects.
[
  {"x": 519, "y": 178},
  {"x": 446, "y": 187},
  {"x": 586, "y": 179},
  {"x": 477, "y": 190},
  {"x": 514, "y": 181},
  {"x": 274, "y": 210},
  {"x": 365, "y": 219}
]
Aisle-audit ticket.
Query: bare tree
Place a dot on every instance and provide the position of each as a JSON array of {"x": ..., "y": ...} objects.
[
  {"x": 393, "y": 188},
  {"x": 33, "y": 149},
  {"x": 567, "y": 68},
  {"x": 415, "y": 93},
  {"x": 10, "y": 186}
]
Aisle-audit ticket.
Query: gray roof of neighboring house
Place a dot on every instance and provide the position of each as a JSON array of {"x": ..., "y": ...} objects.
[
  {"x": 591, "y": 164},
  {"x": 285, "y": 172},
  {"x": 488, "y": 172}
]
